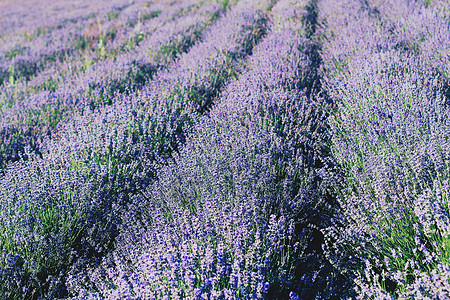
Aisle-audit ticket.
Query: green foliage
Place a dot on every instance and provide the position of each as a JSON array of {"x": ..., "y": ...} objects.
[
  {"x": 112, "y": 15},
  {"x": 80, "y": 42},
  {"x": 224, "y": 3},
  {"x": 12, "y": 77},
  {"x": 151, "y": 15},
  {"x": 13, "y": 53}
]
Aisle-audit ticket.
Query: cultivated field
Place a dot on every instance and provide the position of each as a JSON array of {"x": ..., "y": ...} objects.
[{"x": 225, "y": 149}]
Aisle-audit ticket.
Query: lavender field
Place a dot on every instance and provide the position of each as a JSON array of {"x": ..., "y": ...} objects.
[{"x": 225, "y": 149}]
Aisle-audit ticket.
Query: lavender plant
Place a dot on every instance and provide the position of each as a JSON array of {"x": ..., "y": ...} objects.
[
  {"x": 234, "y": 214},
  {"x": 428, "y": 41},
  {"x": 224, "y": 149},
  {"x": 91, "y": 36},
  {"x": 110, "y": 158},
  {"x": 389, "y": 132},
  {"x": 28, "y": 121},
  {"x": 105, "y": 40},
  {"x": 18, "y": 18},
  {"x": 32, "y": 52}
]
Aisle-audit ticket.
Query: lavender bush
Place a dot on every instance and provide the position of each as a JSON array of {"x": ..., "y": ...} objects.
[
  {"x": 100, "y": 152},
  {"x": 224, "y": 149},
  {"x": 29, "y": 52},
  {"x": 33, "y": 118},
  {"x": 106, "y": 39},
  {"x": 389, "y": 136},
  {"x": 234, "y": 215}
]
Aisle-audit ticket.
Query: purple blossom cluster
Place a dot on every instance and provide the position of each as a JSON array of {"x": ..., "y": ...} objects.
[
  {"x": 270, "y": 149},
  {"x": 108, "y": 37},
  {"x": 18, "y": 17},
  {"x": 31, "y": 118},
  {"x": 232, "y": 215},
  {"x": 109, "y": 155},
  {"x": 390, "y": 136},
  {"x": 111, "y": 42},
  {"x": 36, "y": 45}
]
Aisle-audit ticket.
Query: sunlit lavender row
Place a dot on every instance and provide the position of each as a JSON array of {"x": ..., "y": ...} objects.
[
  {"x": 85, "y": 42},
  {"x": 390, "y": 132},
  {"x": 35, "y": 45},
  {"x": 236, "y": 149},
  {"x": 33, "y": 117}
]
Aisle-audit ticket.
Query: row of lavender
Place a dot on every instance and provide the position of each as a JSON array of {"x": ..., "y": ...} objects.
[
  {"x": 30, "y": 118},
  {"x": 386, "y": 68},
  {"x": 63, "y": 209},
  {"x": 76, "y": 46},
  {"x": 117, "y": 26},
  {"x": 188, "y": 186},
  {"x": 33, "y": 47},
  {"x": 18, "y": 17},
  {"x": 103, "y": 37},
  {"x": 233, "y": 215}
]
